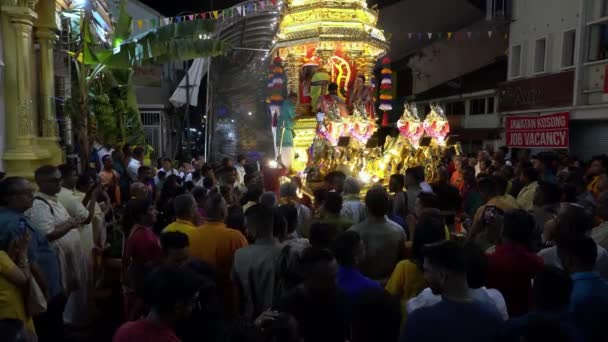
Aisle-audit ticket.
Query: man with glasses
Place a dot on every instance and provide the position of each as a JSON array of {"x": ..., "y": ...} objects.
[
  {"x": 51, "y": 218},
  {"x": 16, "y": 197}
]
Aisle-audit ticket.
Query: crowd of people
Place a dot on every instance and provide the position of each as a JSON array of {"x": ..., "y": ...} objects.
[{"x": 501, "y": 246}]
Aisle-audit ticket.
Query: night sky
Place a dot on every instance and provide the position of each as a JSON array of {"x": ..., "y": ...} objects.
[{"x": 171, "y": 8}]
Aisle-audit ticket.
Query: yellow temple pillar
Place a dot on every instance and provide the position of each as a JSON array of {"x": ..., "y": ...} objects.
[
  {"x": 46, "y": 37},
  {"x": 21, "y": 155}
]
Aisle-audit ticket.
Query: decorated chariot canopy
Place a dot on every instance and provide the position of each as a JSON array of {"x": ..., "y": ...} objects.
[{"x": 338, "y": 38}]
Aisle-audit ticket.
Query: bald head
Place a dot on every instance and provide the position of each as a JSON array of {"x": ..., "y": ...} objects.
[
  {"x": 215, "y": 206},
  {"x": 138, "y": 191},
  {"x": 185, "y": 207}
]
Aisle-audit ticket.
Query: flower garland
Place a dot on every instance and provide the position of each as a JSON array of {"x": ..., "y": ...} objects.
[
  {"x": 386, "y": 90},
  {"x": 275, "y": 87}
]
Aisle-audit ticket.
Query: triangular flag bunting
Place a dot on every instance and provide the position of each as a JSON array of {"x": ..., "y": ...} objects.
[
  {"x": 153, "y": 22},
  {"x": 166, "y": 21},
  {"x": 450, "y": 35},
  {"x": 490, "y": 34},
  {"x": 439, "y": 34},
  {"x": 216, "y": 14},
  {"x": 419, "y": 34},
  {"x": 506, "y": 36},
  {"x": 191, "y": 17},
  {"x": 239, "y": 9},
  {"x": 469, "y": 34},
  {"x": 274, "y": 2},
  {"x": 262, "y": 5},
  {"x": 430, "y": 34},
  {"x": 409, "y": 35},
  {"x": 140, "y": 24}
]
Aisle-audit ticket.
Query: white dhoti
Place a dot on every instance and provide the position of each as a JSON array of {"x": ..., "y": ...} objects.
[{"x": 287, "y": 156}]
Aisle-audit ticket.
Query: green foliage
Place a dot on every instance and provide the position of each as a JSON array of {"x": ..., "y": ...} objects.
[
  {"x": 180, "y": 41},
  {"x": 102, "y": 81}
]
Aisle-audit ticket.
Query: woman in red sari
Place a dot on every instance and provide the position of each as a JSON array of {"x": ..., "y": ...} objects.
[{"x": 142, "y": 251}]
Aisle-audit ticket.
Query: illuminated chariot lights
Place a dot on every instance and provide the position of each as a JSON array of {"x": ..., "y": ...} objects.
[
  {"x": 365, "y": 177},
  {"x": 436, "y": 124},
  {"x": 410, "y": 125}
]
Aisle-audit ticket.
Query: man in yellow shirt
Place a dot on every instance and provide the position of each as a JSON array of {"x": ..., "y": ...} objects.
[
  {"x": 216, "y": 244},
  {"x": 187, "y": 215}
]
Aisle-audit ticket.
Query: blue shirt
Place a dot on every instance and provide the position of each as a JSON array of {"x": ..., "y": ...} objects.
[
  {"x": 589, "y": 305},
  {"x": 352, "y": 282},
  {"x": 39, "y": 249},
  {"x": 516, "y": 327},
  {"x": 586, "y": 285},
  {"x": 453, "y": 321}
]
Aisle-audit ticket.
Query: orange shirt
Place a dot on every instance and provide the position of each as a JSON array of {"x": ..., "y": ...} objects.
[{"x": 215, "y": 244}]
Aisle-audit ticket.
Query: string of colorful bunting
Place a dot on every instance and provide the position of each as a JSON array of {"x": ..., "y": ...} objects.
[
  {"x": 242, "y": 10},
  {"x": 457, "y": 35}
]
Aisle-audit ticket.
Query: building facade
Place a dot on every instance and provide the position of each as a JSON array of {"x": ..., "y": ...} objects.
[
  {"x": 28, "y": 127},
  {"x": 459, "y": 68},
  {"x": 558, "y": 62}
]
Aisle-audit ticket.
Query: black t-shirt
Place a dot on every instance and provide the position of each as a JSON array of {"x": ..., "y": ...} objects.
[{"x": 321, "y": 317}]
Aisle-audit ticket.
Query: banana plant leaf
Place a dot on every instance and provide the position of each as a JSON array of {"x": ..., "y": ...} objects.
[
  {"x": 157, "y": 52},
  {"x": 179, "y": 41},
  {"x": 122, "y": 29}
]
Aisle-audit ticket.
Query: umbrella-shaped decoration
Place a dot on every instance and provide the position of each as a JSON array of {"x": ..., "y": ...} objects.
[
  {"x": 386, "y": 90},
  {"x": 436, "y": 124},
  {"x": 410, "y": 125}
]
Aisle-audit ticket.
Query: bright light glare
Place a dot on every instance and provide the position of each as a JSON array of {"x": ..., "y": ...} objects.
[
  {"x": 365, "y": 177},
  {"x": 232, "y": 120},
  {"x": 249, "y": 113},
  {"x": 80, "y": 3},
  {"x": 273, "y": 164}
]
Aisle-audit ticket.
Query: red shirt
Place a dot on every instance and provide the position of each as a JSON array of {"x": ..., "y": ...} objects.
[
  {"x": 142, "y": 247},
  {"x": 511, "y": 269},
  {"x": 145, "y": 330},
  {"x": 271, "y": 178}
]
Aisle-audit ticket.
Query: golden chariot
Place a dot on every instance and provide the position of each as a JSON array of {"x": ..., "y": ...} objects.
[{"x": 337, "y": 41}]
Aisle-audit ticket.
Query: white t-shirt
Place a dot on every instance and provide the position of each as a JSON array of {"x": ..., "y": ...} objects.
[
  {"x": 167, "y": 174},
  {"x": 132, "y": 169}
]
